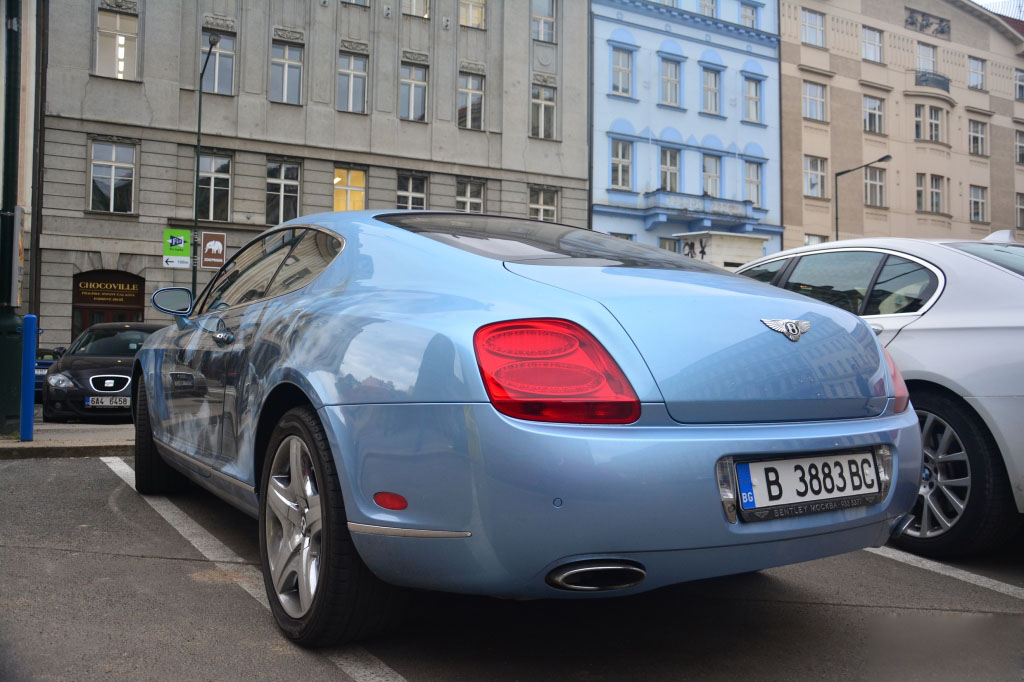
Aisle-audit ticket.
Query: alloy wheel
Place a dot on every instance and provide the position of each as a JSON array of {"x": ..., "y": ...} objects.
[
  {"x": 945, "y": 479},
  {"x": 293, "y": 527}
]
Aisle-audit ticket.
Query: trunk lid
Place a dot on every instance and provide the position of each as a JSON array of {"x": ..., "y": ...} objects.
[{"x": 715, "y": 361}]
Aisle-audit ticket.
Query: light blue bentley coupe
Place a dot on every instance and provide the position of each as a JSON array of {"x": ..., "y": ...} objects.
[{"x": 497, "y": 406}]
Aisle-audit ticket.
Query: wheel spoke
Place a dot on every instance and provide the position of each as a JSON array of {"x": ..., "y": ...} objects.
[
  {"x": 925, "y": 517},
  {"x": 286, "y": 563},
  {"x": 926, "y": 428},
  {"x": 313, "y": 518},
  {"x": 307, "y": 580},
  {"x": 960, "y": 456},
  {"x": 947, "y": 437},
  {"x": 957, "y": 503},
  {"x": 943, "y": 521},
  {"x": 284, "y": 509},
  {"x": 295, "y": 451}
]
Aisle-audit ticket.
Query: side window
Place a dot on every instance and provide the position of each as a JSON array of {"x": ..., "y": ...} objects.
[
  {"x": 766, "y": 272},
  {"x": 248, "y": 275},
  {"x": 307, "y": 260},
  {"x": 903, "y": 286},
  {"x": 840, "y": 278}
]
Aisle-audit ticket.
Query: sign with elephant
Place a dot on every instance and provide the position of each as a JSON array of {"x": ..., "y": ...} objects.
[{"x": 214, "y": 250}]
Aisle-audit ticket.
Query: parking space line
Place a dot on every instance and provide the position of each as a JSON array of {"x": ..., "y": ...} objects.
[
  {"x": 949, "y": 571},
  {"x": 353, "y": 660}
]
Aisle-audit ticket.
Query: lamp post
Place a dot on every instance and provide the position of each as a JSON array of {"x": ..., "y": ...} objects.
[
  {"x": 835, "y": 184},
  {"x": 214, "y": 39}
]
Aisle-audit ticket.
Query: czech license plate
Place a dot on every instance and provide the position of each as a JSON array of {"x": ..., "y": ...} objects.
[
  {"x": 108, "y": 401},
  {"x": 782, "y": 488}
]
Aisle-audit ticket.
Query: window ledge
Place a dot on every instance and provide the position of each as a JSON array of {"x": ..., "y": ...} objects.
[
  {"x": 874, "y": 134},
  {"x": 671, "y": 107},
  {"x": 816, "y": 120},
  {"x": 977, "y": 156},
  {"x": 821, "y": 199},
  {"x": 544, "y": 139},
  {"x": 117, "y": 80},
  {"x": 948, "y": 216},
  {"x": 708, "y": 114},
  {"x": 413, "y": 120},
  {"x": 473, "y": 28},
  {"x": 625, "y": 98},
  {"x": 622, "y": 190},
  {"x": 872, "y": 207},
  {"x": 983, "y": 91},
  {"x": 756, "y": 124},
  {"x": 472, "y": 130},
  {"x": 544, "y": 42},
  {"x": 355, "y": 113},
  {"x": 935, "y": 143},
  {"x": 289, "y": 104},
  {"x": 981, "y": 222},
  {"x": 816, "y": 47},
  {"x": 872, "y": 61},
  {"x": 112, "y": 214}
]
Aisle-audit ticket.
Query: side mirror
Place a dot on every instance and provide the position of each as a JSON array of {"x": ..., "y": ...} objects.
[
  {"x": 60, "y": 351},
  {"x": 175, "y": 301}
]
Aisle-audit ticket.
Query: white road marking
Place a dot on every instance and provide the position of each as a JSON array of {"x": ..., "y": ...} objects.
[
  {"x": 949, "y": 571},
  {"x": 354, "y": 660}
]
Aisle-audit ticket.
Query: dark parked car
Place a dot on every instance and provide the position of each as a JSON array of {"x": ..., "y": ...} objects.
[
  {"x": 93, "y": 378},
  {"x": 44, "y": 358}
]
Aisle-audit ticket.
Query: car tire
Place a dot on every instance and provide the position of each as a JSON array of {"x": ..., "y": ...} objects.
[
  {"x": 965, "y": 504},
  {"x": 153, "y": 476},
  {"x": 320, "y": 591}
]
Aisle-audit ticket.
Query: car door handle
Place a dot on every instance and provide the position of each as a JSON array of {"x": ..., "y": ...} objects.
[{"x": 223, "y": 338}]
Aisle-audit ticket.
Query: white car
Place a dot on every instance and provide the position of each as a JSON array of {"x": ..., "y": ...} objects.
[{"x": 951, "y": 315}]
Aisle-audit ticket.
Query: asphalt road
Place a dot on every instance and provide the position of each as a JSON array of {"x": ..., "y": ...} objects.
[{"x": 98, "y": 583}]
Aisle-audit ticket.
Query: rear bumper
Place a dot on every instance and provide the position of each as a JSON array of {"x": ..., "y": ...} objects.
[{"x": 536, "y": 496}]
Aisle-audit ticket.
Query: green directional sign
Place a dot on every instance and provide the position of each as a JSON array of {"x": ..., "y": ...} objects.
[{"x": 177, "y": 248}]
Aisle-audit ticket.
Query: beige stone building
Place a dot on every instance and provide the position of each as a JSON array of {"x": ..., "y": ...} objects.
[{"x": 937, "y": 85}]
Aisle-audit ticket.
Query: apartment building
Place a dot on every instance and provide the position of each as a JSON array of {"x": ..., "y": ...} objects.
[
  {"x": 929, "y": 94},
  {"x": 686, "y": 126},
  {"x": 308, "y": 106}
]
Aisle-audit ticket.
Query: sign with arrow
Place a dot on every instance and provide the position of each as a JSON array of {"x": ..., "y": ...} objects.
[{"x": 177, "y": 248}]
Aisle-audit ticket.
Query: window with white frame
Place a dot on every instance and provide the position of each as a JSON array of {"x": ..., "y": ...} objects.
[
  {"x": 1018, "y": 84},
  {"x": 412, "y": 192},
  {"x": 1020, "y": 211},
  {"x": 213, "y": 193},
  {"x": 669, "y": 244},
  {"x": 812, "y": 28},
  {"x": 361, "y": 3},
  {"x": 920, "y": 185},
  {"x": 874, "y": 114},
  {"x": 113, "y": 177},
  {"x": 711, "y": 174},
  {"x": 874, "y": 186},
  {"x": 469, "y": 196},
  {"x": 1020, "y": 146},
  {"x": 473, "y": 13},
  {"x": 708, "y": 7},
  {"x": 542, "y": 20},
  {"x": 752, "y": 100},
  {"x": 412, "y": 93},
  {"x": 544, "y": 204},
  {"x": 814, "y": 101},
  {"x": 282, "y": 192},
  {"x": 928, "y": 123},
  {"x": 352, "y": 83},
  {"x": 812, "y": 239},
  {"x": 752, "y": 171},
  {"x": 871, "y": 44},
  {"x": 925, "y": 57},
  {"x": 748, "y": 15},
  {"x": 285, "y": 73},
  {"x": 711, "y": 90},
  {"x": 669, "y": 169},
  {"x": 975, "y": 73},
  {"x": 625, "y": 236},
  {"x": 978, "y": 204},
  {"x": 815, "y": 169},
  {"x": 416, "y": 8},
  {"x": 670, "y": 82},
  {"x": 622, "y": 67},
  {"x": 930, "y": 193},
  {"x": 470, "y": 112},
  {"x": 349, "y": 189},
  {"x": 542, "y": 112},
  {"x": 622, "y": 165},
  {"x": 220, "y": 70},
  {"x": 935, "y": 115},
  {"x": 117, "y": 38},
  {"x": 976, "y": 137}
]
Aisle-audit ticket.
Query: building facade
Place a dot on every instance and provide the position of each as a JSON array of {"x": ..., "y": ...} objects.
[
  {"x": 308, "y": 106},
  {"x": 686, "y": 126},
  {"x": 936, "y": 85}
]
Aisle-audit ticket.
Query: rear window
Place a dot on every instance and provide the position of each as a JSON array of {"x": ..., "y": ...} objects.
[
  {"x": 109, "y": 342},
  {"x": 1009, "y": 256},
  {"x": 539, "y": 243}
]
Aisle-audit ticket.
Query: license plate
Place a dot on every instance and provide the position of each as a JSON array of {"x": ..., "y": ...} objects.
[
  {"x": 782, "y": 488},
  {"x": 108, "y": 401},
  {"x": 40, "y": 372}
]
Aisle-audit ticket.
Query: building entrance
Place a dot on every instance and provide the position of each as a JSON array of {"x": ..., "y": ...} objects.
[{"x": 106, "y": 296}]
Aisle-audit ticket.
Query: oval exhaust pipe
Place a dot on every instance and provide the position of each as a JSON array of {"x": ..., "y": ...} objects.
[
  {"x": 597, "y": 576},
  {"x": 900, "y": 525}
]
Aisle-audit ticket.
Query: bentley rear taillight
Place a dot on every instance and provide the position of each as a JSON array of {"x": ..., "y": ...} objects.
[{"x": 554, "y": 371}]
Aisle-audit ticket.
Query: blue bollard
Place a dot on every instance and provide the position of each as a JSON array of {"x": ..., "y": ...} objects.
[{"x": 28, "y": 375}]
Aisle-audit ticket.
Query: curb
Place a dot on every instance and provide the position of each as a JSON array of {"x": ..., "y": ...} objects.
[{"x": 65, "y": 451}]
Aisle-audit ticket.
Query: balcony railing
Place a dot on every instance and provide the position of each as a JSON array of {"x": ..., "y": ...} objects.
[{"x": 931, "y": 79}]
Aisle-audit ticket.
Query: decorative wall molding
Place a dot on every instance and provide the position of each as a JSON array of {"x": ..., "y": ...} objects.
[
  {"x": 353, "y": 46},
  {"x": 929, "y": 24},
  {"x": 127, "y": 6},
  {"x": 472, "y": 67},
  {"x": 416, "y": 57},
  {"x": 289, "y": 35},
  {"x": 542, "y": 79},
  {"x": 219, "y": 23}
]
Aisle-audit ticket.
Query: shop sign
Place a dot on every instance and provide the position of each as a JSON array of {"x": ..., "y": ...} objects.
[
  {"x": 107, "y": 288},
  {"x": 177, "y": 248}
]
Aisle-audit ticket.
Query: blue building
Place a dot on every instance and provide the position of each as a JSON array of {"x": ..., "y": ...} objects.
[{"x": 686, "y": 126}]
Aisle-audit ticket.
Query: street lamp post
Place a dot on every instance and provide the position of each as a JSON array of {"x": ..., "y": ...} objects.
[
  {"x": 214, "y": 39},
  {"x": 835, "y": 184}
]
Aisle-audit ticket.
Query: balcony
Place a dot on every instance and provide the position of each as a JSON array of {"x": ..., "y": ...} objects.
[{"x": 931, "y": 79}]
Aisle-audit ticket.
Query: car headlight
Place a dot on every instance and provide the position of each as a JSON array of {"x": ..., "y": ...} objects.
[{"x": 59, "y": 380}]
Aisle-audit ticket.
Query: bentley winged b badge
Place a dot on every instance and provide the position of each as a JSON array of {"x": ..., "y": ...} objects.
[{"x": 791, "y": 329}]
